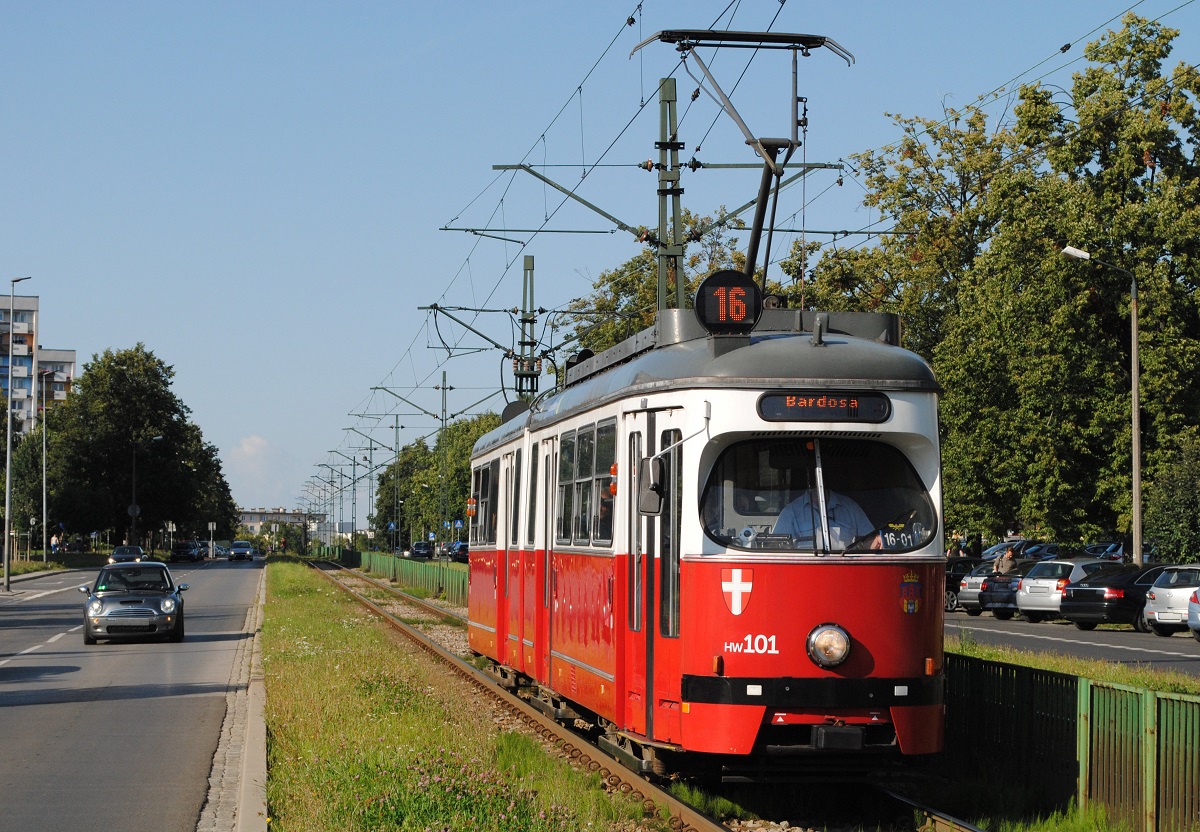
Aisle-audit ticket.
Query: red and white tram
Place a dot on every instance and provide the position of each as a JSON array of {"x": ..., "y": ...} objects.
[{"x": 723, "y": 544}]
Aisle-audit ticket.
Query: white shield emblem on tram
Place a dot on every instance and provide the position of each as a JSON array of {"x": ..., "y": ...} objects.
[{"x": 735, "y": 587}]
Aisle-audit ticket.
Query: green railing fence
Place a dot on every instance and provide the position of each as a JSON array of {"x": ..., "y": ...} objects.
[
  {"x": 1056, "y": 738},
  {"x": 437, "y": 577}
]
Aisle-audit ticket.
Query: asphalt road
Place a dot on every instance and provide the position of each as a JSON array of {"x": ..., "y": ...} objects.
[
  {"x": 120, "y": 735},
  {"x": 1179, "y": 652}
]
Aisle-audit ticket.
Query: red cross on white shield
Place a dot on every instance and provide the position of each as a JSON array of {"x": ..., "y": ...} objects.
[{"x": 735, "y": 587}]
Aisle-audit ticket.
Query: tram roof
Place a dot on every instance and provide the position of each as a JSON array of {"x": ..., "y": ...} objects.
[{"x": 855, "y": 351}]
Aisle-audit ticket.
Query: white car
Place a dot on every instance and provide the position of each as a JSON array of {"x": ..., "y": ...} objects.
[
  {"x": 1167, "y": 600},
  {"x": 1040, "y": 592},
  {"x": 241, "y": 550}
]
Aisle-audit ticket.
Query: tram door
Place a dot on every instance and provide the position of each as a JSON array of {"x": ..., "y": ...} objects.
[{"x": 654, "y": 590}]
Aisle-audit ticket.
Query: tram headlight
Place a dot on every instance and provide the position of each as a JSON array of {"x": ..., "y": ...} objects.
[{"x": 828, "y": 645}]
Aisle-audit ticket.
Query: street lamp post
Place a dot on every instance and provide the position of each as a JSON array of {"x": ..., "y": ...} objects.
[
  {"x": 12, "y": 286},
  {"x": 45, "y": 376},
  {"x": 1135, "y": 408}
]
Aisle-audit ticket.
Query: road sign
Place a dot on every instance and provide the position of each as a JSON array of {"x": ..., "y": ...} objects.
[
  {"x": 458, "y": 524},
  {"x": 432, "y": 536},
  {"x": 212, "y": 526}
]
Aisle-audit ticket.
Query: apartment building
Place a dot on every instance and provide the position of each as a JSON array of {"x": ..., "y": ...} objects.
[{"x": 40, "y": 376}]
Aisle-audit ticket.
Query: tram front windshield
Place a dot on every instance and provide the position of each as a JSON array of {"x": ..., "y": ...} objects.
[{"x": 817, "y": 495}]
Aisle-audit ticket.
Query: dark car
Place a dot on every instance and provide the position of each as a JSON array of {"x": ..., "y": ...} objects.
[
  {"x": 133, "y": 600},
  {"x": 1109, "y": 598},
  {"x": 998, "y": 593},
  {"x": 186, "y": 550},
  {"x": 458, "y": 551},
  {"x": 128, "y": 554},
  {"x": 956, "y": 570},
  {"x": 421, "y": 549}
]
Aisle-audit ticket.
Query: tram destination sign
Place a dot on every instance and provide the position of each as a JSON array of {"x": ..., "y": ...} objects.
[{"x": 824, "y": 406}]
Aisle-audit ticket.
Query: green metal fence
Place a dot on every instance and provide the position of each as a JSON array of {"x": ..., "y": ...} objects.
[
  {"x": 436, "y": 577},
  {"x": 1057, "y": 738}
]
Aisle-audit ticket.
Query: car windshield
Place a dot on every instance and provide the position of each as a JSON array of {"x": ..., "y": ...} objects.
[
  {"x": 123, "y": 580},
  {"x": 240, "y": 544},
  {"x": 816, "y": 495},
  {"x": 127, "y": 550}
]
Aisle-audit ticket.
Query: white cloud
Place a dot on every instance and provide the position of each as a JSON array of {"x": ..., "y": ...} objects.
[{"x": 260, "y": 475}]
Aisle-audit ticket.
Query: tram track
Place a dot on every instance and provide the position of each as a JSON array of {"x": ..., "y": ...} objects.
[{"x": 578, "y": 749}]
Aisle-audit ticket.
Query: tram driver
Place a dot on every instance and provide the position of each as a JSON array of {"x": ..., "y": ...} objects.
[{"x": 848, "y": 523}]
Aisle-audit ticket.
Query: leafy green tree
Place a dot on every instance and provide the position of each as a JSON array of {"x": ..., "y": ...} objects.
[
  {"x": 123, "y": 421},
  {"x": 1034, "y": 351},
  {"x": 1174, "y": 504}
]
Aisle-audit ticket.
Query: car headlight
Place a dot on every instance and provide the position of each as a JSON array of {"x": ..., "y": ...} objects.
[
  {"x": 95, "y": 607},
  {"x": 828, "y": 645},
  {"x": 168, "y": 605}
]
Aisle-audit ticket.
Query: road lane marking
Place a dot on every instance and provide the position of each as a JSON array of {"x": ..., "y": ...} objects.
[
  {"x": 41, "y": 594},
  {"x": 1074, "y": 641},
  {"x": 53, "y": 639}
]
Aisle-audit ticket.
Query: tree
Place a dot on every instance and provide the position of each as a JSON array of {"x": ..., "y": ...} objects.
[
  {"x": 1032, "y": 350},
  {"x": 122, "y": 421}
]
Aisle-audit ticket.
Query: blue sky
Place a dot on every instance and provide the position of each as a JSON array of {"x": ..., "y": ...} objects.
[{"x": 255, "y": 189}]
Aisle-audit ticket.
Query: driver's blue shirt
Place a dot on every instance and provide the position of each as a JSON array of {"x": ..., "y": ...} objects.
[{"x": 801, "y": 519}]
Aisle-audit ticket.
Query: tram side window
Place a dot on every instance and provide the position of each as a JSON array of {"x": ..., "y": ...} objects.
[
  {"x": 566, "y": 488},
  {"x": 483, "y": 489},
  {"x": 818, "y": 495},
  {"x": 584, "y": 460},
  {"x": 532, "y": 515},
  {"x": 474, "y": 532},
  {"x": 670, "y": 528},
  {"x": 515, "y": 515},
  {"x": 606, "y": 457},
  {"x": 635, "y": 535}
]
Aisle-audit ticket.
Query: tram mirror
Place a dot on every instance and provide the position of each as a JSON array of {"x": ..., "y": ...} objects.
[{"x": 651, "y": 474}]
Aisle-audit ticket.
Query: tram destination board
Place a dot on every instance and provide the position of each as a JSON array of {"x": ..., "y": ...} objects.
[{"x": 824, "y": 406}]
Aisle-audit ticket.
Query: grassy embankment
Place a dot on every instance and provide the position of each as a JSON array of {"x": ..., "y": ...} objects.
[{"x": 365, "y": 735}]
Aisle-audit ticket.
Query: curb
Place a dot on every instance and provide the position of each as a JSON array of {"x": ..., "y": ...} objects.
[{"x": 252, "y": 799}]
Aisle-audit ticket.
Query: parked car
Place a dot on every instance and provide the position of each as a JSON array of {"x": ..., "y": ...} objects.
[
  {"x": 956, "y": 570},
  {"x": 128, "y": 554},
  {"x": 998, "y": 593},
  {"x": 458, "y": 551},
  {"x": 1167, "y": 600},
  {"x": 1194, "y": 614},
  {"x": 421, "y": 549},
  {"x": 185, "y": 550},
  {"x": 241, "y": 550},
  {"x": 131, "y": 600},
  {"x": 1109, "y": 597},
  {"x": 1040, "y": 591},
  {"x": 968, "y": 588}
]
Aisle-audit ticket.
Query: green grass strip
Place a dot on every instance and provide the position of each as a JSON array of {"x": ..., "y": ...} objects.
[{"x": 363, "y": 734}]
